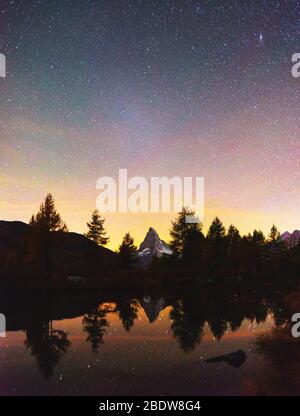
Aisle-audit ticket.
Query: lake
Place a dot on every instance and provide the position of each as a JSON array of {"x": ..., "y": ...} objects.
[{"x": 138, "y": 344}]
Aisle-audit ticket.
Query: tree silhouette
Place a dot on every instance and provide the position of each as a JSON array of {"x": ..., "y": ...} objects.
[
  {"x": 261, "y": 312},
  {"x": 236, "y": 321},
  {"x": 40, "y": 247},
  {"x": 127, "y": 252},
  {"x": 128, "y": 312},
  {"x": 257, "y": 250},
  {"x": 96, "y": 231},
  {"x": 47, "y": 345},
  {"x": 233, "y": 235},
  {"x": 258, "y": 238},
  {"x": 216, "y": 237},
  {"x": 233, "y": 238},
  {"x": 274, "y": 236},
  {"x": 95, "y": 324},
  {"x": 218, "y": 327},
  {"x": 47, "y": 217},
  {"x": 216, "y": 230},
  {"x": 192, "y": 255},
  {"x": 182, "y": 232},
  {"x": 186, "y": 330}
]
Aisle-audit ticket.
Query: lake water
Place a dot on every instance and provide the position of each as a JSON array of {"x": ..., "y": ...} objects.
[{"x": 135, "y": 346}]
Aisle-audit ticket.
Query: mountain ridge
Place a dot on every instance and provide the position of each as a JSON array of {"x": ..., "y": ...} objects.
[{"x": 290, "y": 239}]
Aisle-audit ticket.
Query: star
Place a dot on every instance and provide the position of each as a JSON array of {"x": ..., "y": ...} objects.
[
  {"x": 141, "y": 86},
  {"x": 261, "y": 38}
]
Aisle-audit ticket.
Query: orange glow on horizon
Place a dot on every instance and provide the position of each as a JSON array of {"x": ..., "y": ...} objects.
[{"x": 76, "y": 215}]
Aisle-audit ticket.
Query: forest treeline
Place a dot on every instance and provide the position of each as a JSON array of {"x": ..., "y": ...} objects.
[{"x": 221, "y": 250}]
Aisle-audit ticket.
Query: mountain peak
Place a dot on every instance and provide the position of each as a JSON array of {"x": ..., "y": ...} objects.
[
  {"x": 151, "y": 241},
  {"x": 153, "y": 231},
  {"x": 291, "y": 239},
  {"x": 152, "y": 246},
  {"x": 152, "y": 308}
]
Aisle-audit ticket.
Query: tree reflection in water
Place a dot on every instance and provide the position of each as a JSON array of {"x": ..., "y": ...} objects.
[
  {"x": 95, "y": 324},
  {"x": 186, "y": 327},
  {"x": 221, "y": 310},
  {"x": 47, "y": 345},
  {"x": 127, "y": 312}
]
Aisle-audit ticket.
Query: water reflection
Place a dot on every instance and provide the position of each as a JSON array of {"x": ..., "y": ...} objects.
[
  {"x": 187, "y": 325},
  {"x": 280, "y": 373},
  {"x": 189, "y": 313},
  {"x": 96, "y": 324},
  {"x": 47, "y": 345},
  {"x": 127, "y": 311}
]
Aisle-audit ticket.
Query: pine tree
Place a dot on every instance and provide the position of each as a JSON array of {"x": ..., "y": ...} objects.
[
  {"x": 96, "y": 231},
  {"x": 217, "y": 244},
  {"x": 275, "y": 243},
  {"x": 182, "y": 232},
  {"x": 257, "y": 249},
  {"x": 127, "y": 252},
  {"x": 48, "y": 218},
  {"x": 274, "y": 236},
  {"x": 234, "y": 238},
  {"x": 216, "y": 231},
  {"x": 233, "y": 234},
  {"x": 258, "y": 238}
]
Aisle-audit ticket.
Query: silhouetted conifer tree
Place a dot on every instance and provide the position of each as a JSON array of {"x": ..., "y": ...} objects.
[
  {"x": 258, "y": 238},
  {"x": 233, "y": 235},
  {"x": 216, "y": 231},
  {"x": 48, "y": 218},
  {"x": 43, "y": 224},
  {"x": 233, "y": 238},
  {"x": 127, "y": 252},
  {"x": 184, "y": 234},
  {"x": 216, "y": 238},
  {"x": 97, "y": 231},
  {"x": 274, "y": 236}
]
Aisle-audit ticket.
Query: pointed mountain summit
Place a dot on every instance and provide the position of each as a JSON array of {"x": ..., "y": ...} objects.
[
  {"x": 155, "y": 244},
  {"x": 152, "y": 308},
  {"x": 152, "y": 246}
]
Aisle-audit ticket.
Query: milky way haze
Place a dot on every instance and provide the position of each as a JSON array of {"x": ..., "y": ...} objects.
[{"x": 189, "y": 88}]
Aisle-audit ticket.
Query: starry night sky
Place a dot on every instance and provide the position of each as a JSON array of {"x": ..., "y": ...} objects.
[{"x": 189, "y": 88}]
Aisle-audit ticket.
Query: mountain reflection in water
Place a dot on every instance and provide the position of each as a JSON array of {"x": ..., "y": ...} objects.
[{"x": 136, "y": 343}]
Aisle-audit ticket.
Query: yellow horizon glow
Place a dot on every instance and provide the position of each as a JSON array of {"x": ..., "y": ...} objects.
[{"x": 76, "y": 215}]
